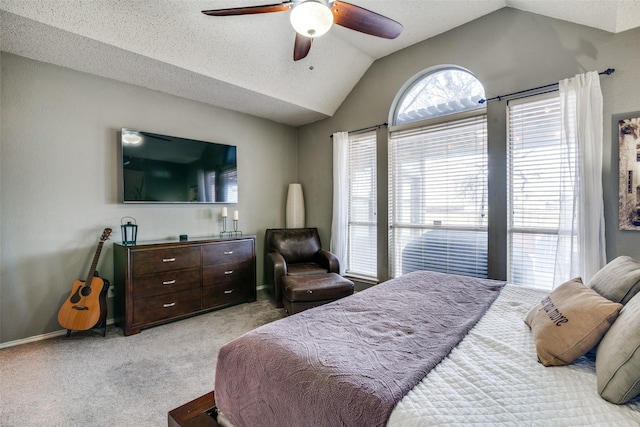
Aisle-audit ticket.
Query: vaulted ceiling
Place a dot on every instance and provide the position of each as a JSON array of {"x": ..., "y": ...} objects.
[{"x": 245, "y": 63}]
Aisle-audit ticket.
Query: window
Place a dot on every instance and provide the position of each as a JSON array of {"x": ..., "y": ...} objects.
[
  {"x": 438, "y": 94},
  {"x": 362, "y": 224},
  {"x": 222, "y": 186},
  {"x": 438, "y": 177},
  {"x": 229, "y": 185},
  {"x": 210, "y": 186},
  {"x": 539, "y": 169}
]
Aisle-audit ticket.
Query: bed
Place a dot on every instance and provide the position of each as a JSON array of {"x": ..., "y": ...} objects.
[{"x": 423, "y": 349}]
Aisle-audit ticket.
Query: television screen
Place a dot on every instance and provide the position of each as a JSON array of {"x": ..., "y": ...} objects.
[{"x": 167, "y": 169}]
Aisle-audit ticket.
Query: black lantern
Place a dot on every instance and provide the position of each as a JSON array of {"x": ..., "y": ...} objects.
[{"x": 129, "y": 231}]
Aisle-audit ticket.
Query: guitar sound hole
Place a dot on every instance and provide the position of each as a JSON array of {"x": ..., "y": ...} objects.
[
  {"x": 86, "y": 291},
  {"x": 76, "y": 296}
]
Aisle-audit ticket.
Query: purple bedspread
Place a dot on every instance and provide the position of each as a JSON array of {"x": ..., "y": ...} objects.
[{"x": 349, "y": 362}]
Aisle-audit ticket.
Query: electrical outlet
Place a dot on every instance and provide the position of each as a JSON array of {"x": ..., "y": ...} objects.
[{"x": 110, "y": 292}]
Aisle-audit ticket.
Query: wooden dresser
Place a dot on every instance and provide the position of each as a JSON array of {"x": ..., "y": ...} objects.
[{"x": 163, "y": 281}]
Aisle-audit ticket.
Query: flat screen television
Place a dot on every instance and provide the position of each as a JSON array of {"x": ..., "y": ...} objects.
[{"x": 168, "y": 169}]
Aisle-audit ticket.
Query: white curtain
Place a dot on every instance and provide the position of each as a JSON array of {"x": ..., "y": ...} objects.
[
  {"x": 340, "y": 221},
  {"x": 581, "y": 243}
]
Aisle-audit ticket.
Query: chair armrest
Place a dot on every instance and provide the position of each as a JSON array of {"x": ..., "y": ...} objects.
[
  {"x": 328, "y": 260},
  {"x": 277, "y": 269}
]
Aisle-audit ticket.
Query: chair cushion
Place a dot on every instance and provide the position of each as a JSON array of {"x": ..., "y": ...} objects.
[
  {"x": 304, "y": 268},
  {"x": 316, "y": 287}
]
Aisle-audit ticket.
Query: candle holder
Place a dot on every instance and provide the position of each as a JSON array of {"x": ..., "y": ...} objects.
[
  {"x": 224, "y": 228},
  {"x": 224, "y": 231},
  {"x": 235, "y": 231}
]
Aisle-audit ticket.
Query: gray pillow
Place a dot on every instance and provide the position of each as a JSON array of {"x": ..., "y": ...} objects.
[
  {"x": 618, "y": 281},
  {"x": 618, "y": 356}
]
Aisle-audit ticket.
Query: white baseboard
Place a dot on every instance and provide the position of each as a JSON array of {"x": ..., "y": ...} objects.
[
  {"x": 40, "y": 337},
  {"x": 62, "y": 332}
]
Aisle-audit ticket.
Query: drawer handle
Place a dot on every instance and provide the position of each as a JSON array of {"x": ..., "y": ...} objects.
[
  {"x": 168, "y": 259},
  {"x": 228, "y": 252},
  {"x": 171, "y": 304},
  {"x": 169, "y": 282},
  {"x": 229, "y": 291},
  {"x": 228, "y": 272}
]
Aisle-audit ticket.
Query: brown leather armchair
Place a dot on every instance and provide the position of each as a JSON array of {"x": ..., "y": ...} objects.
[{"x": 294, "y": 252}]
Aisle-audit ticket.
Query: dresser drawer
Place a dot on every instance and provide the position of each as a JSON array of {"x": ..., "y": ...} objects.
[
  {"x": 167, "y": 306},
  {"x": 222, "y": 274},
  {"x": 157, "y": 260},
  {"x": 166, "y": 282},
  {"x": 225, "y": 252},
  {"x": 213, "y": 296}
]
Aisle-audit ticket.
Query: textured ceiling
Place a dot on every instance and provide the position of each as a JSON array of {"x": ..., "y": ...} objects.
[{"x": 245, "y": 63}]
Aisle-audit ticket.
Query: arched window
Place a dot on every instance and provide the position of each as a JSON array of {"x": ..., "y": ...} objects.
[
  {"x": 438, "y": 175},
  {"x": 438, "y": 93}
]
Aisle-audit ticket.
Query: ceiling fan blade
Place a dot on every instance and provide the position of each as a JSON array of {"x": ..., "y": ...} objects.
[
  {"x": 250, "y": 10},
  {"x": 301, "y": 47},
  {"x": 365, "y": 21}
]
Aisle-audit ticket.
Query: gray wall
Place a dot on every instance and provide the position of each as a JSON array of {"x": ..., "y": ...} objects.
[
  {"x": 59, "y": 180},
  {"x": 508, "y": 51},
  {"x": 58, "y": 159}
]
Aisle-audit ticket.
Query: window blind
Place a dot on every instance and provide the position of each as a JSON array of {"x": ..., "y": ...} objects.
[
  {"x": 539, "y": 165},
  {"x": 229, "y": 184},
  {"x": 210, "y": 188},
  {"x": 362, "y": 229},
  {"x": 438, "y": 198}
]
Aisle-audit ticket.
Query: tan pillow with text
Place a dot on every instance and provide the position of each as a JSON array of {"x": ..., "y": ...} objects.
[{"x": 570, "y": 322}]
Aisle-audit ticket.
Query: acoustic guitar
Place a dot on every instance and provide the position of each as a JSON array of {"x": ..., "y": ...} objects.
[{"x": 86, "y": 306}]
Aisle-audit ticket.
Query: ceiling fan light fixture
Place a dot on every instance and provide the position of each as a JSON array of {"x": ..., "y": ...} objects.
[{"x": 311, "y": 18}]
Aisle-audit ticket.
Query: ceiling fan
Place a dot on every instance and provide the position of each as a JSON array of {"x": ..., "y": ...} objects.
[{"x": 313, "y": 18}]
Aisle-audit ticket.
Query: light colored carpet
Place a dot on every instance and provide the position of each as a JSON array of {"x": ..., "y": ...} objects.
[{"x": 88, "y": 380}]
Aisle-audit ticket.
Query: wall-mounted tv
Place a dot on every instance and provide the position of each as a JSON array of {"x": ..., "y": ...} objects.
[{"x": 167, "y": 169}]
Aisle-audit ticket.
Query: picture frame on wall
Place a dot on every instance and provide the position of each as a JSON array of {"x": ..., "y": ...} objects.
[{"x": 629, "y": 171}]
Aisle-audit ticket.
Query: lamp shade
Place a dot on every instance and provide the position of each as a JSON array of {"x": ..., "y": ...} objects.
[
  {"x": 295, "y": 207},
  {"x": 311, "y": 18}
]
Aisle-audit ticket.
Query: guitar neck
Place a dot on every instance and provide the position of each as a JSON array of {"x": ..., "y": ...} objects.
[{"x": 94, "y": 265}]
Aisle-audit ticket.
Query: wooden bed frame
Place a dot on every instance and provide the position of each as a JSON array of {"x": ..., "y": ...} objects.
[{"x": 199, "y": 412}]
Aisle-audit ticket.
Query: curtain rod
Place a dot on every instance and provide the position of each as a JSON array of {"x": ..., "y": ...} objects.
[
  {"x": 608, "y": 72},
  {"x": 374, "y": 127}
]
